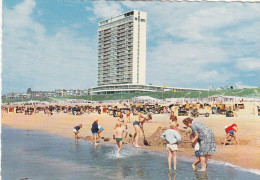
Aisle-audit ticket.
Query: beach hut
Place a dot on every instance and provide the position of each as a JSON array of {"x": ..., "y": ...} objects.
[
  {"x": 221, "y": 108},
  {"x": 10, "y": 110},
  {"x": 18, "y": 109},
  {"x": 183, "y": 112},
  {"x": 28, "y": 110},
  {"x": 175, "y": 108}
]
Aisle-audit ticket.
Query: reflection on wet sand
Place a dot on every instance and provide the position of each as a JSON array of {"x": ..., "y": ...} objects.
[
  {"x": 201, "y": 175},
  {"x": 172, "y": 175}
]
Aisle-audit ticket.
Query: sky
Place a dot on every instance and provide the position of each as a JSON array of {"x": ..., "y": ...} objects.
[{"x": 52, "y": 44}]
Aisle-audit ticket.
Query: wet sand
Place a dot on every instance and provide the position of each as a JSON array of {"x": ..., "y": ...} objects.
[{"x": 246, "y": 155}]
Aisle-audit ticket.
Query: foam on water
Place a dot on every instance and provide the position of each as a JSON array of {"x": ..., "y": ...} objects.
[
  {"x": 227, "y": 164},
  {"x": 211, "y": 161},
  {"x": 126, "y": 152}
]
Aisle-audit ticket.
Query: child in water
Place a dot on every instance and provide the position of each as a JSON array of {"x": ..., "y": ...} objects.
[
  {"x": 100, "y": 129},
  {"x": 123, "y": 123},
  {"x": 196, "y": 146},
  {"x": 76, "y": 130},
  {"x": 118, "y": 135},
  {"x": 172, "y": 138}
]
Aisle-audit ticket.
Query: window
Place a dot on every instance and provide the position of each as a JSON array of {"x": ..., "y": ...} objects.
[
  {"x": 136, "y": 18},
  {"x": 142, "y": 20}
]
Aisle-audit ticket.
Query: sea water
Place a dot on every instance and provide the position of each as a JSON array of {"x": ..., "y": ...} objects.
[{"x": 28, "y": 154}]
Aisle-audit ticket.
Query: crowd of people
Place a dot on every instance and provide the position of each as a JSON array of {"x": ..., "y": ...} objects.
[{"x": 202, "y": 137}]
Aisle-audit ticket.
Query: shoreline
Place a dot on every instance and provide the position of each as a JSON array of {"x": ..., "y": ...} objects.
[
  {"x": 183, "y": 157},
  {"x": 245, "y": 156}
]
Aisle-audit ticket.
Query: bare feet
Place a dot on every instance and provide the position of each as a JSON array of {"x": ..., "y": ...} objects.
[
  {"x": 202, "y": 170},
  {"x": 137, "y": 146},
  {"x": 194, "y": 166}
]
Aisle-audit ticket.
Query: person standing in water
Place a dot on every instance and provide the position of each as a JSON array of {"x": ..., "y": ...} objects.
[
  {"x": 94, "y": 130},
  {"x": 118, "y": 136},
  {"x": 139, "y": 125},
  {"x": 172, "y": 138},
  {"x": 76, "y": 130},
  {"x": 196, "y": 146},
  {"x": 206, "y": 139},
  {"x": 123, "y": 123}
]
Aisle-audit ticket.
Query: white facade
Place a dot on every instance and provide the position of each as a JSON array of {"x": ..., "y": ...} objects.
[
  {"x": 136, "y": 88},
  {"x": 122, "y": 49}
]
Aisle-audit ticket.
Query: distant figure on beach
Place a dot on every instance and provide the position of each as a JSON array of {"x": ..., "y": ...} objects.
[
  {"x": 51, "y": 111},
  {"x": 94, "y": 130},
  {"x": 173, "y": 117},
  {"x": 206, "y": 139},
  {"x": 196, "y": 146},
  {"x": 76, "y": 130},
  {"x": 48, "y": 112},
  {"x": 172, "y": 138},
  {"x": 118, "y": 136},
  {"x": 128, "y": 117},
  {"x": 69, "y": 110},
  {"x": 230, "y": 132},
  {"x": 123, "y": 123},
  {"x": 100, "y": 129},
  {"x": 140, "y": 125}
]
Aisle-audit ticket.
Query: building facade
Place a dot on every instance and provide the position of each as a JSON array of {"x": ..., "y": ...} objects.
[
  {"x": 135, "y": 88},
  {"x": 122, "y": 49}
]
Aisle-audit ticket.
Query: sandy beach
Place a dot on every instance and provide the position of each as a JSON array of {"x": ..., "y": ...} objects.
[{"x": 246, "y": 155}]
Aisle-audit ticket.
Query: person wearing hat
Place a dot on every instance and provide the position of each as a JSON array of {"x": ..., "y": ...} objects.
[
  {"x": 172, "y": 138},
  {"x": 230, "y": 132}
]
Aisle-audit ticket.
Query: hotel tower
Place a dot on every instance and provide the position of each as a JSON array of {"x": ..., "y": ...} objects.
[
  {"x": 122, "y": 49},
  {"x": 122, "y": 56}
]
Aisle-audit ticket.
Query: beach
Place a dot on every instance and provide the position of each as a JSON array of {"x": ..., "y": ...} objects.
[{"x": 246, "y": 155}]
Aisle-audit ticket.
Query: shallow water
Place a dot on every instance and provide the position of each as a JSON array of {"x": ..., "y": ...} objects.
[{"x": 36, "y": 155}]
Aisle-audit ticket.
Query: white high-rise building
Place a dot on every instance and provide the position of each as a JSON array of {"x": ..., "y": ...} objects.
[
  {"x": 122, "y": 49},
  {"x": 122, "y": 56}
]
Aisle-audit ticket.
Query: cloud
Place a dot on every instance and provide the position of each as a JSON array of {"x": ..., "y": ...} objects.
[
  {"x": 188, "y": 45},
  {"x": 187, "y": 65},
  {"x": 104, "y": 9},
  {"x": 248, "y": 64},
  {"x": 25, "y": 8},
  {"x": 43, "y": 62},
  {"x": 197, "y": 44},
  {"x": 201, "y": 21},
  {"x": 240, "y": 85}
]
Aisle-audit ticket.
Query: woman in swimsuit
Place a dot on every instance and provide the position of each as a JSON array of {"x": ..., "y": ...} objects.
[{"x": 140, "y": 125}]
